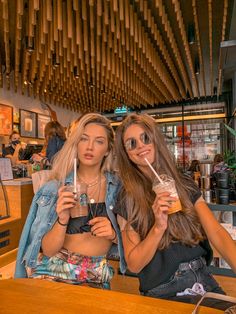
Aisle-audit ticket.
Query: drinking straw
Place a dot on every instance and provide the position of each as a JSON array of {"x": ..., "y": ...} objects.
[
  {"x": 75, "y": 175},
  {"x": 153, "y": 170}
]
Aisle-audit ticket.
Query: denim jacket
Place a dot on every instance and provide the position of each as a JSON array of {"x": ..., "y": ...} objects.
[{"x": 42, "y": 216}]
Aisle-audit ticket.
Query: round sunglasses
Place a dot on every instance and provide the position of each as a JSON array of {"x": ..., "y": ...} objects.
[{"x": 131, "y": 143}]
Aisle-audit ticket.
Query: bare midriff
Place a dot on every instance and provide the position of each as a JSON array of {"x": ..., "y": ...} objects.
[{"x": 87, "y": 244}]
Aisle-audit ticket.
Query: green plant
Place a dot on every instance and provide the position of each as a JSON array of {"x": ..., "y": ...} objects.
[
  {"x": 230, "y": 159},
  {"x": 230, "y": 156},
  {"x": 232, "y": 131}
]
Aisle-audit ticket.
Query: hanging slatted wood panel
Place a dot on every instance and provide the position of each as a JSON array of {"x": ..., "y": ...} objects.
[{"x": 97, "y": 55}]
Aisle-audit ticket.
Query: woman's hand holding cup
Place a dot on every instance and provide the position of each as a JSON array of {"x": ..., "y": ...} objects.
[
  {"x": 65, "y": 203},
  {"x": 167, "y": 184},
  {"x": 161, "y": 208}
]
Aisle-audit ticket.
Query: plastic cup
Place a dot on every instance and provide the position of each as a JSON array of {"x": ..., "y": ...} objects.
[
  {"x": 168, "y": 185},
  {"x": 81, "y": 207}
]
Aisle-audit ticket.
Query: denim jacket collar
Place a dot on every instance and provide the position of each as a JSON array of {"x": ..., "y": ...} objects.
[{"x": 111, "y": 178}]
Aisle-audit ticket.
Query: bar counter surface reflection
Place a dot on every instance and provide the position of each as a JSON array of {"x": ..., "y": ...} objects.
[{"x": 40, "y": 296}]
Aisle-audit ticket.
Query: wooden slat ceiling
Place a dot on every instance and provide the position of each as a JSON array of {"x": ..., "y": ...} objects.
[{"x": 98, "y": 54}]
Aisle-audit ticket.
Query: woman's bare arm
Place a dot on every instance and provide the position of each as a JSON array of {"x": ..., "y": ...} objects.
[
  {"x": 53, "y": 241},
  {"x": 139, "y": 253},
  {"x": 217, "y": 235}
]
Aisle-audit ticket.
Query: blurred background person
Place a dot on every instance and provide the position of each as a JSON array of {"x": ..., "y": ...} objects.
[
  {"x": 194, "y": 167},
  {"x": 55, "y": 138},
  {"x": 15, "y": 149},
  {"x": 218, "y": 164},
  {"x": 194, "y": 170}
]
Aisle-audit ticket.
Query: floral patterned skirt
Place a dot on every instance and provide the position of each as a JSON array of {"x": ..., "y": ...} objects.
[{"x": 73, "y": 268}]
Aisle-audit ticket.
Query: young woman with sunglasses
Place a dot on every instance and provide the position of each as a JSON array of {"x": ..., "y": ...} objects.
[
  {"x": 57, "y": 246},
  {"x": 169, "y": 253}
]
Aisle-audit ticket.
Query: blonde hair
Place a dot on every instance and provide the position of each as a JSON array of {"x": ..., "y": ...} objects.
[
  {"x": 137, "y": 195},
  {"x": 63, "y": 161},
  {"x": 71, "y": 126}
]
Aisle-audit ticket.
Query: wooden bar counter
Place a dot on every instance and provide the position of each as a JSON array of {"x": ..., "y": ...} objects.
[
  {"x": 40, "y": 296},
  {"x": 19, "y": 194}
]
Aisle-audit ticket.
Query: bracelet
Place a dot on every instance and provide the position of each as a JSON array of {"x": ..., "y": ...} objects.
[
  {"x": 114, "y": 237},
  {"x": 61, "y": 224}
]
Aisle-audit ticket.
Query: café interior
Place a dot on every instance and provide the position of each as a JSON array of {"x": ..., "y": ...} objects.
[{"x": 174, "y": 60}]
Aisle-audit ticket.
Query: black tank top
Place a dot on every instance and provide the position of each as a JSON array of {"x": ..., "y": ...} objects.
[
  {"x": 80, "y": 224},
  {"x": 165, "y": 262}
]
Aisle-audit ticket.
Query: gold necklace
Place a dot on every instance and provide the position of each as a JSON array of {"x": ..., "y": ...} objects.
[
  {"x": 90, "y": 184},
  {"x": 92, "y": 200}
]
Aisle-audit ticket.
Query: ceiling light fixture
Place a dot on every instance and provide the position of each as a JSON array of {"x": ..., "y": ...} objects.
[
  {"x": 186, "y": 118},
  {"x": 55, "y": 62},
  {"x": 191, "y": 34},
  {"x": 91, "y": 84},
  {"x": 103, "y": 91},
  {"x": 29, "y": 43},
  {"x": 196, "y": 66},
  {"x": 76, "y": 74}
]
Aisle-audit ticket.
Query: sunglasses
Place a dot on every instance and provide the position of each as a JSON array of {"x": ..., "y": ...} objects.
[{"x": 131, "y": 143}]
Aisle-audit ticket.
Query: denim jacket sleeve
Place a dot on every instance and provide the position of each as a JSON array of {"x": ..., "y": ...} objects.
[
  {"x": 41, "y": 217},
  {"x": 113, "y": 187}
]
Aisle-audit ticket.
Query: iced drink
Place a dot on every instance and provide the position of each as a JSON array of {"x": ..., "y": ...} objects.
[
  {"x": 80, "y": 195},
  {"x": 168, "y": 185}
]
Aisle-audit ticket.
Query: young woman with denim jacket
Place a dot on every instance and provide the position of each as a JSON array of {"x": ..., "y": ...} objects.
[
  {"x": 169, "y": 252},
  {"x": 58, "y": 247}
]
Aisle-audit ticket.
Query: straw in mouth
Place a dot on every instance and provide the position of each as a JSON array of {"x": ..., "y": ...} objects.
[{"x": 153, "y": 170}]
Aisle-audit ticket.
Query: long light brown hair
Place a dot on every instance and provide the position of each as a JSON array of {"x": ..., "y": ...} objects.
[
  {"x": 54, "y": 128},
  {"x": 137, "y": 195}
]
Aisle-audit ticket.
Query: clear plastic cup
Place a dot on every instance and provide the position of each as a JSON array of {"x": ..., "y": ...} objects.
[
  {"x": 168, "y": 185},
  {"x": 81, "y": 207}
]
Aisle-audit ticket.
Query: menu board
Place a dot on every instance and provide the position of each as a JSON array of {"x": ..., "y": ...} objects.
[{"x": 6, "y": 169}]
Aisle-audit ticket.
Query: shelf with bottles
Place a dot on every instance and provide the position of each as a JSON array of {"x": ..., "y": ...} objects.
[{"x": 192, "y": 129}]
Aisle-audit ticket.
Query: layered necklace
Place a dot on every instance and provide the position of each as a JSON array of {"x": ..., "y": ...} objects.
[
  {"x": 92, "y": 183},
  {"x": 93, "y": 192}
]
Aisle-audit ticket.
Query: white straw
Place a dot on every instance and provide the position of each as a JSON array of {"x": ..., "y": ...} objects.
[
  {"x": 153, "y": 170},
  {"x": 75, "y": 175}
]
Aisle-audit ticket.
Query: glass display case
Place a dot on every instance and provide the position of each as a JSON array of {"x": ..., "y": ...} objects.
[{"x": 200, "y": 139}]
